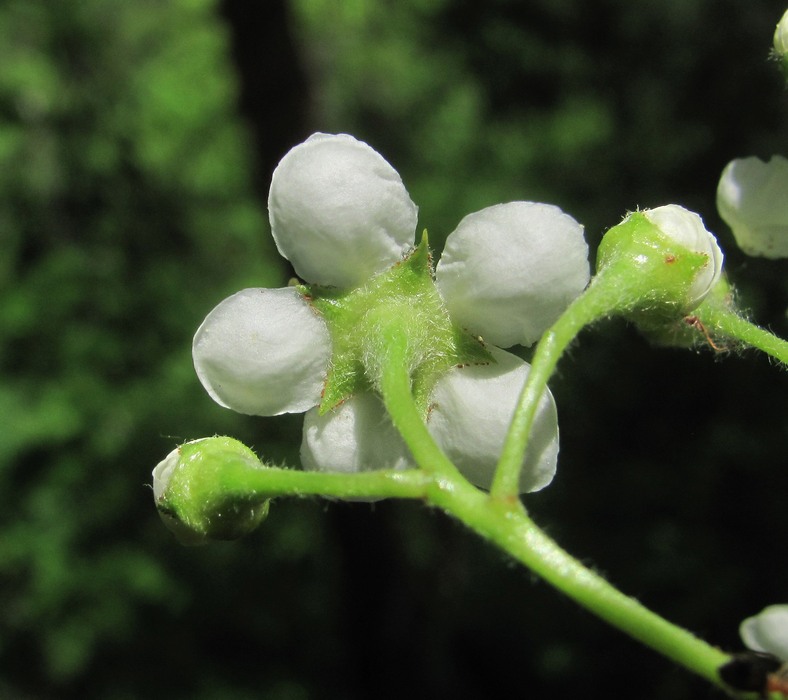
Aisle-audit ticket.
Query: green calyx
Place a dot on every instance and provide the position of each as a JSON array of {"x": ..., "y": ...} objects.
[
  {"x": 693, "y": 330},
  {"x": 403, "y": 300},
  {"x": 203, "y": 495},
  {"x": 647, "y": 276}
]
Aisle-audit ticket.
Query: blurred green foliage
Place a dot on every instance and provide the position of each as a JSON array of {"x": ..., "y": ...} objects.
[{"x": 127, "y": 210}]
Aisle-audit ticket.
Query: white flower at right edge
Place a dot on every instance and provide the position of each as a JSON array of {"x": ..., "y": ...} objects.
[
  {"x": 767, "y": 631},
  {"x": 752, "y": 198}
]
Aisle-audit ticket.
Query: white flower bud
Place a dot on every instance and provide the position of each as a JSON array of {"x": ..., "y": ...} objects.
[
  {"x": 767, "y": 631},
  {"x": 686, "y": 228},
  {"x": 339, "y": 212},
  {"x": 263, "y": 352},
  {"x": 356, "y": 436},
  {"x": 471, "y": 409},
  {"x": 509, "y": 271},
  {"x": 752, "y": 198}
]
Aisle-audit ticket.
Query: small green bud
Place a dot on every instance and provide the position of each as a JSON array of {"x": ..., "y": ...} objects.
[
  {"x": 661, "y": 263},
  {"x": 199, "y": 494}
]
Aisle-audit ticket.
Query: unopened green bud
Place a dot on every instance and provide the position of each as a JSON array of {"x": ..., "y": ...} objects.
[
  {"x": 663, "y": 261},
  {"x": 198, "y": 489}
]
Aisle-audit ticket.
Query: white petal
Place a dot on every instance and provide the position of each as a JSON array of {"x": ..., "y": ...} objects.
[
  {"x": 162, "y": 473},
  {"x": 752, "y": 198},
  {"x": 471, "y": 408},
  {"x": 339, "y": 212},
  {"x": 767, "y": 631},
  {"x": 263, "y": 352},
  {"x": 509, "y": 271},
  {"x": 686, "y": 228},
  {"x": 356, "y": 436}
]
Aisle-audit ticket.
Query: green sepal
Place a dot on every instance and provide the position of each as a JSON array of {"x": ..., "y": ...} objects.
[
  {"x": 691, "y": 331},
  {"x": 646, "y": 275},
  {"x": 403, "y": 296}
]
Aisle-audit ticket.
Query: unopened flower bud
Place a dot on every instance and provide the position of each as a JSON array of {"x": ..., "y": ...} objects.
[
  {"x": 686, "y": 228},
  {"x": 664, "y": 260},
  {"x": 194, "y": 489}
]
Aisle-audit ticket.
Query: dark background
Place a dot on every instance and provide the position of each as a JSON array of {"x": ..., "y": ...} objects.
[{"x": 136, "y": 144}]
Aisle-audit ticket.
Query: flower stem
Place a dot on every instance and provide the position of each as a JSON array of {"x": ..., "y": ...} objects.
[
  {"x": 722, "y": 320},
  {"x": 598, "y": 300},
  {"x": 395, "y": 387},
  {"x": 507, "y": 524},
  {"x": 271, "y": 482}
]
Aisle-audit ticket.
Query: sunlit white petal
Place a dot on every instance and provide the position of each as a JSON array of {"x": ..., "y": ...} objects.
[
  {"x": 356, "y": 436},
  {"x": 509, "y": 271},
  {"x": 339, "y": 212},
  {"x": 263, "y": 352},
  {"x": 471, "y": 409},
  {"x": 752, "y": 198}
]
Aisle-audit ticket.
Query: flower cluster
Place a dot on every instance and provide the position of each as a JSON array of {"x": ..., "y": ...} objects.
[{"x": 341, "y": 215}]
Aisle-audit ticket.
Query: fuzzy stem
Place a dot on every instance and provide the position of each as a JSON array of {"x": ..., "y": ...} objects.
[
  {"x": 395, "y": 387},
  {"x": 505, "y": 522},
  {"x": 271, "y": 482},
  {"x": 597, "y": 301},
  {"x": 719, "y": 319},
  {"x": 507, "y": 525}
]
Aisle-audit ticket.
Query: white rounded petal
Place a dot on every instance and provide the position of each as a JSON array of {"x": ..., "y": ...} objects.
[
  {"x": 263, "y": 352},
  {"x": 356, "y": 436},
  {"x": 162, "y": 473},
  {"x": 752, "y": 198},
  {"x": 767, "y": 631},
  {"x": 509, "y": 271},
  {"x": 471, "y": 408},
  {"x": 686, "y": 228},
  {"x": 339, "y": 212}
]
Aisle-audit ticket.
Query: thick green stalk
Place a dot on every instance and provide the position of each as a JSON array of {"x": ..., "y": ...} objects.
[{"x": 507, "y": 524}]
